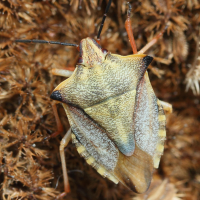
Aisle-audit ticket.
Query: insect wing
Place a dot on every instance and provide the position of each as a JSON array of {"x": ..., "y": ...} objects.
[
  {"x": 149, "y": 130},
  {"x": 149, "y": 121},
  {"x": 135, "y": 171},
  {"x": 92, "y": 142}
]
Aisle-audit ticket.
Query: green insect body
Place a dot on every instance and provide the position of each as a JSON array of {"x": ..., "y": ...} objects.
[{"x": 117, "y": 122}]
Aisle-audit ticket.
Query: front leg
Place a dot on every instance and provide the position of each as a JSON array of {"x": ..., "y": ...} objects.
[{"x": 63, "y": 144}]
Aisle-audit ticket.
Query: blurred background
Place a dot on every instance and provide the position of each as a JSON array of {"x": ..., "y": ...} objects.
[{"x": 30, "y": 166}]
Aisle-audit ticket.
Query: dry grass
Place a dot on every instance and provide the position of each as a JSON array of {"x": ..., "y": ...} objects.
[{"x": 30, "y": 167}]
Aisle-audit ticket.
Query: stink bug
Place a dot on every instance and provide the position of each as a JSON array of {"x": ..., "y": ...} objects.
[{"x": 117, "y": 122}]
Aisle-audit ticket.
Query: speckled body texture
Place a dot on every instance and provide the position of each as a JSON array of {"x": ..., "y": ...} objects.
[{"x": 115, "y": 115}]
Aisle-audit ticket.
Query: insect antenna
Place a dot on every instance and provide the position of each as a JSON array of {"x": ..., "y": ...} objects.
[
  {"x": 129, "y": 29},
  {"x": 103, "y": 20},
  {"x": 46, "y": 42}
]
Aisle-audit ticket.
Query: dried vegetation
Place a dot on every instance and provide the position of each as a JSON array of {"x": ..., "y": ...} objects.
[{"x": 29, "y": 165}]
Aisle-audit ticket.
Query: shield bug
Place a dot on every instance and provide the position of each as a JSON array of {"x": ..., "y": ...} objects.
[{"x": 117, "y": 122}]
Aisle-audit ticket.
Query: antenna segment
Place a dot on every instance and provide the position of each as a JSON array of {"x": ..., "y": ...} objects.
[
  {"x": 46, "y": 42},
  {"x": 103, "y": 20}
]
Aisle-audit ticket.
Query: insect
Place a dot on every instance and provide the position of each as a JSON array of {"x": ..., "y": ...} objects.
[{"x": 117, "y": 122}]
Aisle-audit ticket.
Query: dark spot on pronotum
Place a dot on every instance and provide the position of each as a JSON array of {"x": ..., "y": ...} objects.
[
  {"x": 56, "y": 95},
  {"x": 147, "y": 60},
  {"x": 145, "y": 63}
]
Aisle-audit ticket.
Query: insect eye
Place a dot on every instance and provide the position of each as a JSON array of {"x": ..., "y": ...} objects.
[
  {"x": 104, "y": 51},
  {"x": 80, "y": 60}
]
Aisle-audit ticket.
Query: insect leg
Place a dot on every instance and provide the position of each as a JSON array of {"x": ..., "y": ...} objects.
[
  {"x": 153, "y": 41},
  {"x": 63, "y": 144},
  {"x": 167, "y": 107},
  {"x": 61, "y": 72},
  {"x": 163, "y": 60},
  {"x": 58, "y": 122},
  {"x": 129, "y": 30}
]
